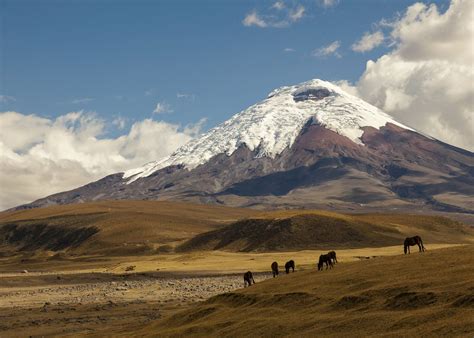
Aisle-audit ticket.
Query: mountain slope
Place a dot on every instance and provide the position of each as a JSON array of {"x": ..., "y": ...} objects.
[
  {"x": 271, "y": 126},
  {"x": 309, "y": 145}
]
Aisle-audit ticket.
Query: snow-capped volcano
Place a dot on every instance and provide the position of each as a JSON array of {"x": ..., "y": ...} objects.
[
  {"x": 307, "y": 145},
  {"x": 272, "y": 125}
]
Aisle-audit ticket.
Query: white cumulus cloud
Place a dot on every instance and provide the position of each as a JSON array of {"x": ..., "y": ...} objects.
[
  {"x": 41, "y": 156},
  {"x": 426, "y": 80}
]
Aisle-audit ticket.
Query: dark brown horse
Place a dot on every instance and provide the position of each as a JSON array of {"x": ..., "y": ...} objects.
[
  {"x": 290, "y": 265},
  {"x": 410, "y": 241},
  {"x": 275, "y": 269},
  {"x": 248, "y": 279},
  {"x": 325, "y": 259},
  {"x": 332, "y": 254}
]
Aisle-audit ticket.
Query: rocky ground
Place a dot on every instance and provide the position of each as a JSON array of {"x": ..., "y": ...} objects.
[{"x": 50, "y": 305}]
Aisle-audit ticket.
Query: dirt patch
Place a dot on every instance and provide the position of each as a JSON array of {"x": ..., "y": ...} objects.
[
  {"x": 193, "y": 316},
  {"x": 464, "y": 301},
  {"x": 291, "y": 299},
  {"x": 349, "y": 302},
  {"x": 234, "y": 299},
  {"x": 411, "y": 300}
]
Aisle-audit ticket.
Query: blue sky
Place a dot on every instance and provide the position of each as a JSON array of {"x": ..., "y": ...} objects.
[{"x": 120, "y": 58}]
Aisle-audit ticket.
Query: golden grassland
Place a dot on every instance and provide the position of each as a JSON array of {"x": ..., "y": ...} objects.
[
  {"x": 193, "y": 263},
  {"x": 428, "y": 294},
  {"x": 374, "y": 290},
  {"x": 432, "y": 291},
  {"x": 127, "y": 227},
  {"x": 130, "y": 228}
]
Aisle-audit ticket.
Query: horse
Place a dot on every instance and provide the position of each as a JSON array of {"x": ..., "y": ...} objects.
[
  {"x": 410, "y": 241},
  {"x": 275, "y": 269},
  {"x": 248, "y": 279},
  {"x": 288, "y": 265},
  {"x": 332, "y": 254},
  {"x": 325, "y": 259}
]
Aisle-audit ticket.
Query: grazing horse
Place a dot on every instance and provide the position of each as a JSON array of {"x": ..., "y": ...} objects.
[
  {"x": 275, "y": 269},
  {"x": 290, "y": 265},
  {"x": 332, "y": 254},
  {"x": 324, "y": 259},
  {"x": 410, "y": 241},
  {"x": 248, "y": 279}
]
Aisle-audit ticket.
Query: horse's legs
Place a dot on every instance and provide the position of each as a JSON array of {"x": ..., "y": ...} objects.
[{"x": 419, "y": 246}]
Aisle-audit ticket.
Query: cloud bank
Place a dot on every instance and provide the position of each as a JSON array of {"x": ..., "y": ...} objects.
[
  {"x": 427, "y": 79},
  {"x": 41, "y": 156}
]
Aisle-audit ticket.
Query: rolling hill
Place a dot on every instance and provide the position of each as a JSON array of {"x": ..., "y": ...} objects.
[
  {"x": 304, "y": 230},
  {"x": 149, "y": 227},
  {"x": 110, "y": 227}
]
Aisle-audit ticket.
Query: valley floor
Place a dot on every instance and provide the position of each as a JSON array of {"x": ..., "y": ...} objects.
[{"x": 98, "y": 296}]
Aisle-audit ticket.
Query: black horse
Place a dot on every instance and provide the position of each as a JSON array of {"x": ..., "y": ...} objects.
[
  {"x": 290, "y": 265},
  {"x": 410, "y": 241},
  {"x": 248, "y": 279},
  {"x": 275, "y": 269},
  {"x": 332, "y": 254},
  {"x": 324, "y": 259}
]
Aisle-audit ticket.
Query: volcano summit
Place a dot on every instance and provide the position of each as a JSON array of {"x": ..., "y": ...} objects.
[{"x": 307, "y": 145}]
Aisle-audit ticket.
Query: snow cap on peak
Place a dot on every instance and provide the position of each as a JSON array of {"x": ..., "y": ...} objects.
[{"x": 272, "y": 125}]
